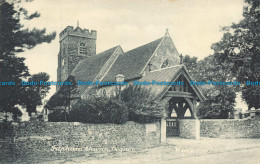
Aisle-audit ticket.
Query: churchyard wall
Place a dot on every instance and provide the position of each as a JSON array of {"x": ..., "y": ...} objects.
[
  {"x": 230, "y": 128},
  {"x": 60, "y": 140},
  {"x": 220, "y": 128},
  {"x": 187, "y": 128}
]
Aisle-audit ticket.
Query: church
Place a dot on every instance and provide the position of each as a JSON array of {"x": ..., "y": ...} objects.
[{"x": 157, "y": 61}]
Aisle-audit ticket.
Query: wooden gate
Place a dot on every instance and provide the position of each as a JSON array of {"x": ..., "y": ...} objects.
[{"x": 172, "y": 128}]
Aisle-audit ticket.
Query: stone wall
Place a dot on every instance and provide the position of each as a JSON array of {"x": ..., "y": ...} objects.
[
  {"x": 230, "y": 128},
  {"x": 220, "y": 128},
  {"x": 187, "y": 128},
  {"x": 32, "y": 141}
]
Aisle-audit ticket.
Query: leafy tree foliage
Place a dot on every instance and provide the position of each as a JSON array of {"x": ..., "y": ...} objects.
[
  {"x": 238, "y": 52},
  {"x": 220, "y": 99},
  {"x": 63, "y": 97},
  {"x": 16, "y": 114},
  {"x": 190, "y": 63},
  {"x": 35, "y": 93},
  {"x": 252, "y": 96},
  {"x": 14, "y": 38}
]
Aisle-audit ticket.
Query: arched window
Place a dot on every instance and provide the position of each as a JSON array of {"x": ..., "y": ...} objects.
[
  {"x": 165, "y": 64},
  {"x": 82, "y": 48},
  {"x": 64, "y": 50},
  {"x": 104, "y": 92}
]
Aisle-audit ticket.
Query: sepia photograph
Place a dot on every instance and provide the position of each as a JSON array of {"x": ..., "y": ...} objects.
[{"x": 129, "y": 81}]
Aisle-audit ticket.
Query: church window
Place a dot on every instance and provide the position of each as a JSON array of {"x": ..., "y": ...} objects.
[
  {"x": 165, "y": 64},
  {"x": 64, "y": 50},
  {"x": 149, "y": 66},
  {"x": 104, "y": 92},
  {"x": 82, "y": 48}
]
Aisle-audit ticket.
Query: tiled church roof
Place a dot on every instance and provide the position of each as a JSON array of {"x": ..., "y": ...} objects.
[
  {"x": 88, "y": 68},
  {"x": 131, "y": 63}
]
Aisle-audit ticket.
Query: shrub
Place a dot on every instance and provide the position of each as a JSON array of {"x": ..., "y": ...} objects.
[
  {"x": 57, "y": 116},
  {"x": 118, "y": 112},
  {"x": 79, "y": 113},
  {"x": 99, "y": 110},
  {"x": 136, "y": 104},
  {"x": 141, "y": 105}
]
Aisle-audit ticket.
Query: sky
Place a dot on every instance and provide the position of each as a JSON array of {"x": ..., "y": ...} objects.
[{"x": 194, "y": 25}]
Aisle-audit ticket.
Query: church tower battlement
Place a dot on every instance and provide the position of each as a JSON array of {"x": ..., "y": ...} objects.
[
  {"x": 75, "y": 45},
  {"x": 69, "y": 30}
]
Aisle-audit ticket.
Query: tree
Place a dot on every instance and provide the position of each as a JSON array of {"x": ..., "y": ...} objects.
[
  {"x": 42, "y": 89},
  {"x": 238, "y": 52},
  {"x": 34, "y": 94},
  {"x": 190, "y": 63},
  {"x": 62, "y": 99},
  {"x": 14, "y": 39},
  {"x": 220, "y": 98},
  {"x": 13, "y": 70},
  {"x": 16, "y": 114},
  {"x": 251, "y": 95}
]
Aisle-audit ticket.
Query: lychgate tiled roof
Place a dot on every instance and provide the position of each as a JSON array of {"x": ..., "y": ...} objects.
[
  {"x": 166, "y": 74},
  {"x": 131, "y": 63},
  {"x": 169, "y": 74}
]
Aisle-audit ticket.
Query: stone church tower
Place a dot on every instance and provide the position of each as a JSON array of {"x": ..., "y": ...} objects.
[{"x": 75, "y": 45}]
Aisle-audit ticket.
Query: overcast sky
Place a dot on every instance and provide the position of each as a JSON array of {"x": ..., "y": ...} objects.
[{"x": 193, "y": 25}]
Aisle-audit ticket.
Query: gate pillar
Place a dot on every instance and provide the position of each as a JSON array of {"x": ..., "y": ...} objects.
[{"x": 163, "y": 130}]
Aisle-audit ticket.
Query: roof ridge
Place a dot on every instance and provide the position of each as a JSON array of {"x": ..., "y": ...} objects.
[
  {"x": 106, "y": 50},
  {"x": 131, "y": 63},
  {"x": 106, "y": 63},
  {"x": 99, "y": 55},
  {"x": 105, "y": 68},
  {"x": 144, "y": 45}
]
